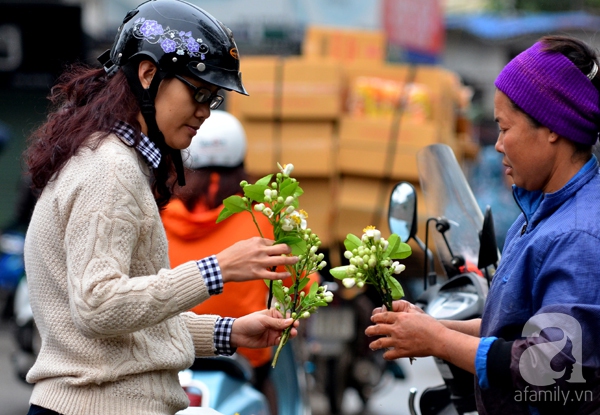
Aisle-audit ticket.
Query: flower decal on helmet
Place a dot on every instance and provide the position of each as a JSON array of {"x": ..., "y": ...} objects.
[{"x": 170, "y": 40}]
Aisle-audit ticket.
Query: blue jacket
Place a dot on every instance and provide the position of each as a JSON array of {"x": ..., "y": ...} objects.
[{"x": 551, "y": 269}]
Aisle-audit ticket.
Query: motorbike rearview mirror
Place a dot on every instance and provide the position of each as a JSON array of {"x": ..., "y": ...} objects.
[
  {"x": 402, "y": 220},
  {"x": 402, "y": 212},
  {"x": 488, "y": 249}
]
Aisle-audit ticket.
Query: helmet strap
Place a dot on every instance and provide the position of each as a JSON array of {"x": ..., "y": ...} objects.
[{"x": 146, "y": 97}]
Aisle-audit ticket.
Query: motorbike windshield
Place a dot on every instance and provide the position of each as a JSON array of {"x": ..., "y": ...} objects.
[{"x": 447, "y": 194}]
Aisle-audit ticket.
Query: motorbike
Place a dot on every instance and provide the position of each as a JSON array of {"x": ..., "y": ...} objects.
[
  {"x": 225, "y": 384},
  {"x": 11, "y": 269},
  {"x": 467, "y": 253},
  {"x": 219, "y": 385}
]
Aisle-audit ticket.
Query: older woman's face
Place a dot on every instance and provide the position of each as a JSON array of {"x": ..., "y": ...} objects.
[{"x": 529, "y": 157}]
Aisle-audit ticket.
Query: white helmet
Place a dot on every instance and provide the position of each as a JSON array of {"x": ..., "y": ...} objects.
[{"x": 220, "y": 142}]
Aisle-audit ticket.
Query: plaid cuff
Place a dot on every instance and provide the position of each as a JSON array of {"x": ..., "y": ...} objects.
[
  {"x": 211, "y": 272},
  {"x": 223, "y": 327}
]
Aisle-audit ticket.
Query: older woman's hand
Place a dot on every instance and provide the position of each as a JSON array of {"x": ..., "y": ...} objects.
[
  {"x": 400, "y": 306},
  {"x": 406, "y": 332}
]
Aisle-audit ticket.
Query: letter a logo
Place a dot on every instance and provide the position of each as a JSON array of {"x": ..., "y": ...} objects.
[{"x": 534, "y": 364}]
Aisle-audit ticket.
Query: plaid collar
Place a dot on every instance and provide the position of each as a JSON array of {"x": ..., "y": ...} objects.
[{"x": 146, "y": 148}]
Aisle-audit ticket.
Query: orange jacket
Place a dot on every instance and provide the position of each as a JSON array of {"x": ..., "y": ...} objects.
[{"x": 195, "y": 235}]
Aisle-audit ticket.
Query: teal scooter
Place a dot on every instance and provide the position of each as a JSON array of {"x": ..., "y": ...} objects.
[{"x": 224, "y": 384}]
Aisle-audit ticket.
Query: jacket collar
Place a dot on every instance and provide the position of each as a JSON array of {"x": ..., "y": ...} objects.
[{"x": 536, "y": 205}]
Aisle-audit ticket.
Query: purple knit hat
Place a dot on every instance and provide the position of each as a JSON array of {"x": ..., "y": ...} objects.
[{"x": 553, "y": 91}]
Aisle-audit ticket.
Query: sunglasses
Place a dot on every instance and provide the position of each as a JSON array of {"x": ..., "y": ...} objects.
[{"x": 203, "y": 95}]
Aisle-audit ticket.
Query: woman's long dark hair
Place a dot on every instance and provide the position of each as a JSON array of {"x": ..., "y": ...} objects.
[{"x": 85, "y": 101}]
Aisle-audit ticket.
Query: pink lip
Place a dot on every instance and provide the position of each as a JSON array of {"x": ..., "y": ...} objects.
[{"x": 192, "y": 129}]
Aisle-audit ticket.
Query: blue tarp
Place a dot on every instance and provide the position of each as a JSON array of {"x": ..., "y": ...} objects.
[{"x": 501, "y": 27}]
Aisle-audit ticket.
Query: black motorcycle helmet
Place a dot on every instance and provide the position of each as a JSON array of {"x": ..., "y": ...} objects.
[{"x": 179, "y": 38}]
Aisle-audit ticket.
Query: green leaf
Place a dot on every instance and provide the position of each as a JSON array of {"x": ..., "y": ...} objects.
[
  {"x": 352, "y": 242},
  {"x": 313, "y": 290},
  {"x": 256, "y": 192},
  {"x": 339, "y": 272},
  {"x": 298, "y": 192},
  {"x": 292, "y": 239},
  {"x": 233, "y": 204},
  {"x": 225, "y": 213},
  {"x": 402, "y": 251},
  {"x": 278, "y": 293},
  {"x": 299, "y": 247},
  {"x": 287, "y": 188},
  {"x": 393, "y": 242},
  {"x": 303, "y": 282},
  {"x": 265, "y": 180},
  {"x": 397, "y": 290}
]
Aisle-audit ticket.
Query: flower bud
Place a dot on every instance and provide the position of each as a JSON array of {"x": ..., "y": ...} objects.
[
  {"x": 289, "y": 200},
  {"x": 306, "y": 314},
  {"x": 243, "y": 183},
  {"x": 398, "y": 269},
  {"x": 360, "y": 284},
  {"x": 259, "y": 207},
  {"x": 267, "y": 192},
  {"x": 268, "y": 212},
  {"x": 348, "y": 282},
  {"x": 348, "y": 255}
]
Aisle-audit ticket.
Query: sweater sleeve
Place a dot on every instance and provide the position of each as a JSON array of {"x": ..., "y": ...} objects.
[{"x": 118, "y": 276}]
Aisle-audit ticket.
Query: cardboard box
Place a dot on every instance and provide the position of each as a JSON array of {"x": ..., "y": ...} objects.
[
  {"x": 317, "y": 201},
  {"x": 288, "y": 88},
  {"x": 440, "y": 83},
  {"x": 344, "y": 45},
  {"x": 385, "y": 148},
  {"x": 309, "y": 146},
  {"x": 364, "y": 201}
]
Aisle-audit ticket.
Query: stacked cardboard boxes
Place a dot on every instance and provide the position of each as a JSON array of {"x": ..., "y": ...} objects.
[
  {"x": 349, "y": 122},
  {"x": 291, "y": 117}
]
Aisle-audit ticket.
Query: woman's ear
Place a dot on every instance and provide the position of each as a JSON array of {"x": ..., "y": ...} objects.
[
  {"x": 553, "y": 137},
  {"x": 146, "y": 71}
]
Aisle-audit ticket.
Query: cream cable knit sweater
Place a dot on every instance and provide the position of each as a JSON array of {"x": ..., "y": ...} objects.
[{"x": 108, "y": 308}]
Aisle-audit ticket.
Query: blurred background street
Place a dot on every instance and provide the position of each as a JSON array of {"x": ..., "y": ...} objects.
[
  {"x": 346, "y": 90},
  {"x": 14, "y": 394}
]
